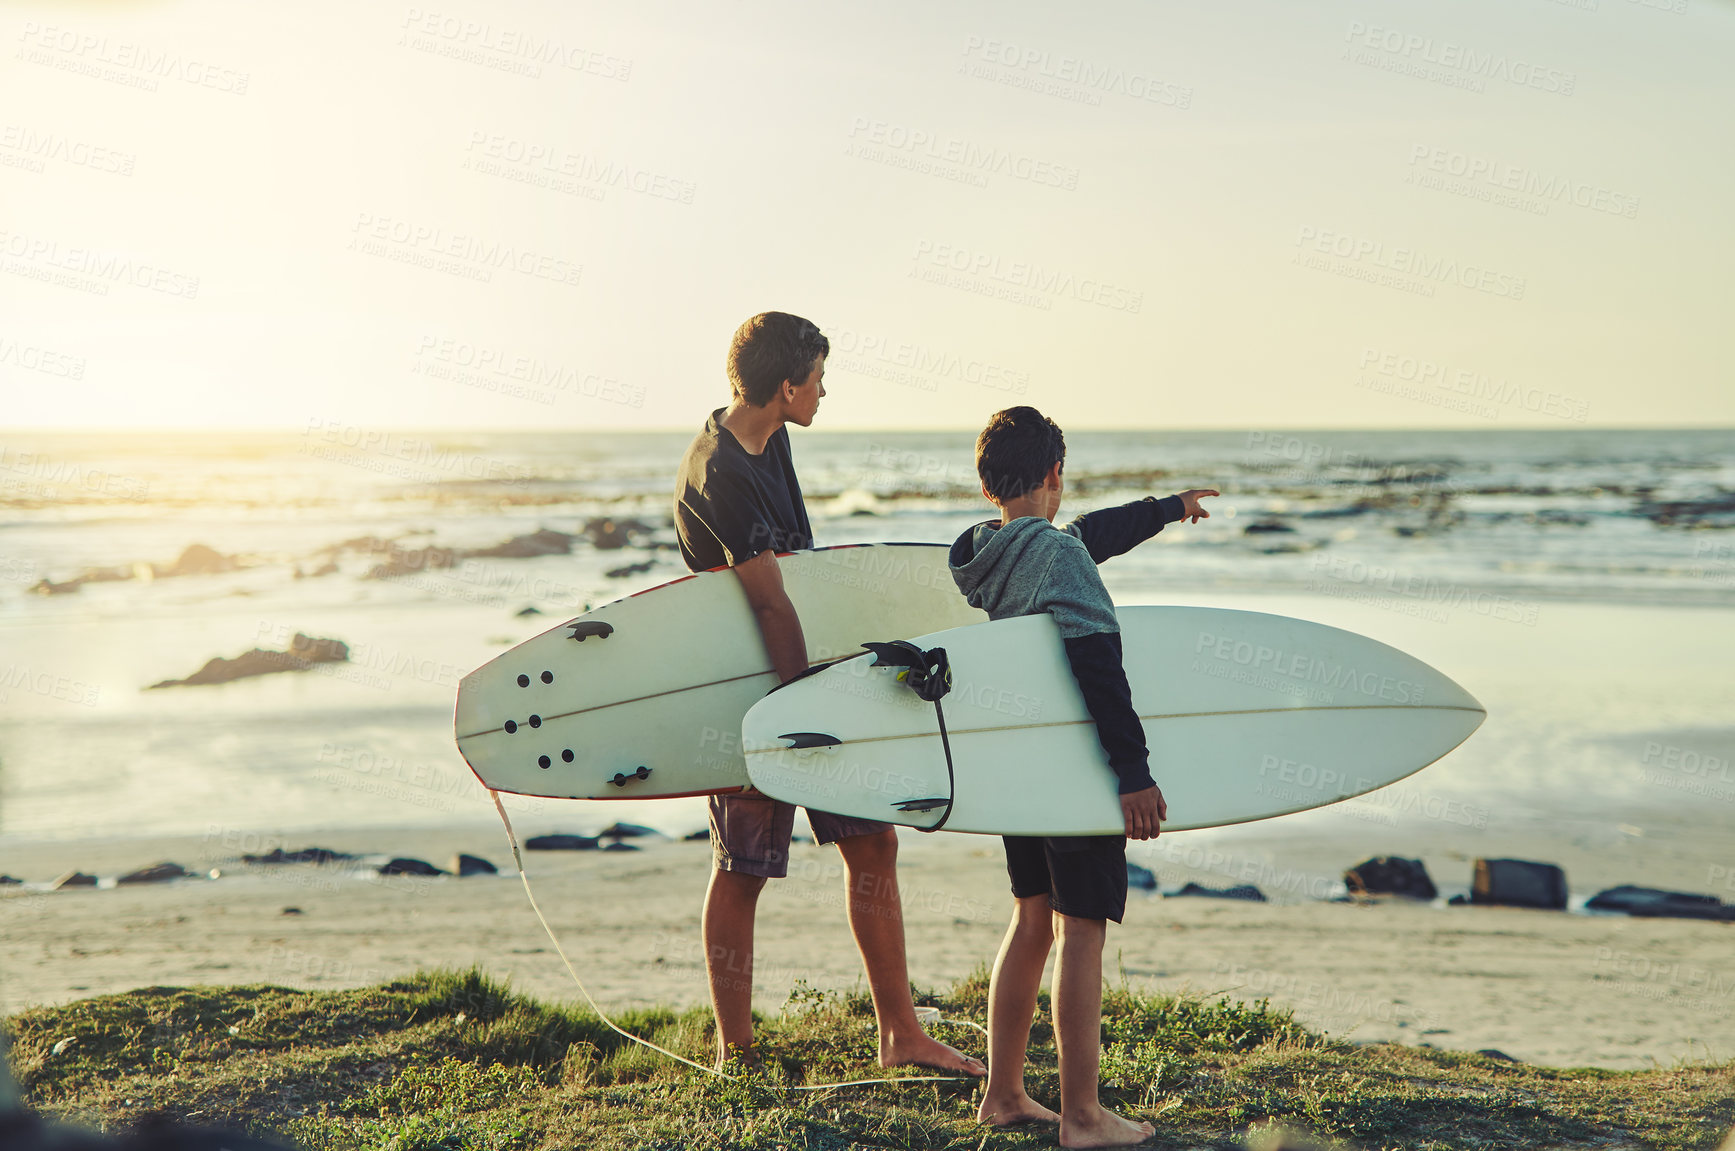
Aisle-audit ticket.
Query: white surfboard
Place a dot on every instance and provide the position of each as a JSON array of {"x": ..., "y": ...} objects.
[
  {"x": 1246, "y": 715},
  {"x": 642, "y": 698}
]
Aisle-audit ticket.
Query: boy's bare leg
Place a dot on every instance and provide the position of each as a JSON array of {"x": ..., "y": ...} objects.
[
  {"x": 1084, "y": 1121},
  {"x": 727, "y": 931},
  {"x": 876, "y": 917},
  {"x": 1011, "y": 1007}
]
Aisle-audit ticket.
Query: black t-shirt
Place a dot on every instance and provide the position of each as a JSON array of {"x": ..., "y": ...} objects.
[{"x": 730, "y": 505}]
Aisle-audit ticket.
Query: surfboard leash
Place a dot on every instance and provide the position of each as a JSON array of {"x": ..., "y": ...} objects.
[
  {"x": 929, "y": 675},
  {"x": 518, "y": 860}
]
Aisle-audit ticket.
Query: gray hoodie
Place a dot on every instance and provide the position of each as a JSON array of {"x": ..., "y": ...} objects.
[{"x": 1031, "y": 566}]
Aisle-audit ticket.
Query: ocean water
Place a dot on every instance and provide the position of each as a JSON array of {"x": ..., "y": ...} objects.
[{"x": 1580, "y": 582}]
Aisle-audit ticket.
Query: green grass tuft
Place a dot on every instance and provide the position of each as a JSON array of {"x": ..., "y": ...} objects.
[{"x": 454, "y": 1061}]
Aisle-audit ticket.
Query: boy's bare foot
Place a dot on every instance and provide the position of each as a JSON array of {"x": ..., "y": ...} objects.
[
  {"x": 1020, "y": 1108},
  {"x": 923, "y": 1050},
  {"x": 1103, "y": 1129}
]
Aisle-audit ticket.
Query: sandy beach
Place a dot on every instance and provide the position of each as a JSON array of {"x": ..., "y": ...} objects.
[{"x": 1551, "y": 988}]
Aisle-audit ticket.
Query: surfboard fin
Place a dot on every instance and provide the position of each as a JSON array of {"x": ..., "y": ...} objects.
[
  {"x": 810, "y": 739},
  {"x": 921, "y": 804},
  {"x": 590, "y": 627}
]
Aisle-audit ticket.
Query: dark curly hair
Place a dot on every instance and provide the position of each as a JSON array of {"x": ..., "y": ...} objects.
[
  {"x": 1015, "y": 451},
  {"x": 770, "y": 348}
]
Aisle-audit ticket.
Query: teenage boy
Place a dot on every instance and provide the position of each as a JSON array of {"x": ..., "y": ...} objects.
[
  {"x": 737, "y": 504},
  {"x": 1022, "y": 564}
]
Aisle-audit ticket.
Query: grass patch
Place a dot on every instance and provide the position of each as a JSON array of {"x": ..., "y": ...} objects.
[{"x": 452, "y": 1061}]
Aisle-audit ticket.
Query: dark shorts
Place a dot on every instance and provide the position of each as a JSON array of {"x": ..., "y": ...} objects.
[
  {"x": 1084, "y": 876},
  {"x": 750, "y": 833}
]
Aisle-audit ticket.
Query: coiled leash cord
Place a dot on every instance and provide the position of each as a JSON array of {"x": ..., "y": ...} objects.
[
  {"x": 929, "y": 675},
  {"x": 518, "y": 859}
]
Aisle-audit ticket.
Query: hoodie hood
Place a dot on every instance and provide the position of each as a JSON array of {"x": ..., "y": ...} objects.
[{"x": 985, "y": 556}]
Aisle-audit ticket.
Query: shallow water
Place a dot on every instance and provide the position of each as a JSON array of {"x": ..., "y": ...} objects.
[{"x": 1579, "y": 582}]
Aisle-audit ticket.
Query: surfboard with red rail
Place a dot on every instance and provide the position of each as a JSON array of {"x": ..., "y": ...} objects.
[{"x": 642, "y": 698}]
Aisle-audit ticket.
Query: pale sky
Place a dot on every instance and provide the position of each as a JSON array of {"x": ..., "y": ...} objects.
[{"x": 1212, "y": 213}]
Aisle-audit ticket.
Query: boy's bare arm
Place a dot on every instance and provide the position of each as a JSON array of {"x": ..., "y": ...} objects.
[{"x": 780, "y": 627}]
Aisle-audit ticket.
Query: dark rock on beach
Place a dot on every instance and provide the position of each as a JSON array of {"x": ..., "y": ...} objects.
[
  {"x": 561, "y": 843},
  {"x": 7, "y": 880},
  {"x": 630, "y": 569},
  {"x": 1264, "y": 527},
  {"x": 304, "y": 651},
  {"x": 1716, "y": 511},
  {"x": 196, "y": 560},
  {"x": 472, "y": 865},
  {"x": 626, "y": 831},
  {"x": 1390, "y": 875},
  {"x": 609, "y": 534},
  {"x": 74, "y": 879},
  {"x": 409, "y": 867},
  {"x": 695, "y": 836},
  {"x": 1239, "y": 891},
  {"x": 408, "y": 561},
  {"x": 542, "y": 542},
  {"x": 1649, "y": 902},
  {"x": 1142, "y": 878},
  {"x": 619, "y": 845},
  {"x": 321, "y": 855},
  {"x": 530, "y": 609},
  {"x": 1519, "y": 883},
  {"x": 156, "y": 873}
]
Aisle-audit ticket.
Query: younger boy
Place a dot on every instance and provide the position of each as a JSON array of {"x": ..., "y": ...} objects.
[{"x": 1070, "y": 886}]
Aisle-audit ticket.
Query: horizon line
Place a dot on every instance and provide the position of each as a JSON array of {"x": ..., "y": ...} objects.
[{"x": 294, "y": 429}]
